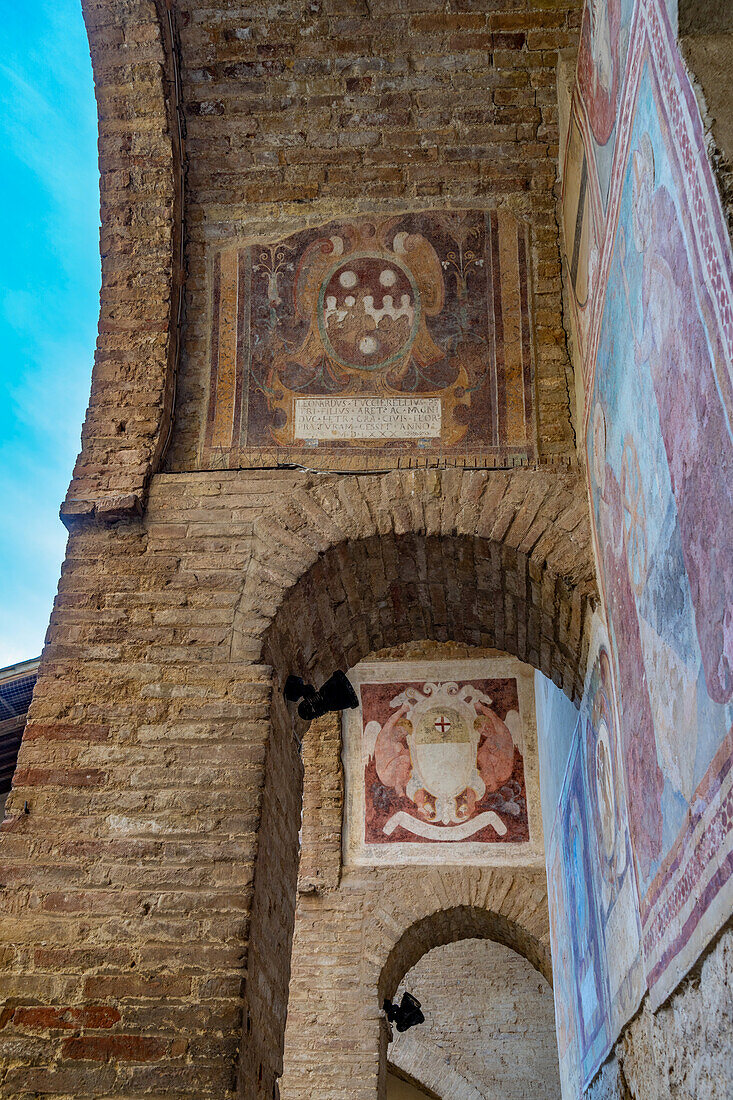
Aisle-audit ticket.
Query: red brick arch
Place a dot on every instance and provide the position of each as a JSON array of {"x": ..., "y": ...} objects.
[
  {"x": 127, "y": 424},
  {"x": 343, "y": 567}
]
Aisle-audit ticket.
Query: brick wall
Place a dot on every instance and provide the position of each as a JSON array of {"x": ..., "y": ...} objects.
[
  {"x": 283, "y": 117},
  {"x": 161, "y": 782},
  {"x": 125, "y": 921},
  {"x": 273, "y": 913},
  {"x": 323, "y": 805},
  {"x": 296, "y": 113},
  {"x": 517, "y": 578},
  {"x": 152, "y": 757},
  {"x": 126, "y": 930}
]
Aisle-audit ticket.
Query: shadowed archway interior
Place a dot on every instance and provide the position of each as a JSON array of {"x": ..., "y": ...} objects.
[
  {"x": 462, "y": 922},
  {"x": 383, "y": 590},
  {"x": 368, "y": 594}
]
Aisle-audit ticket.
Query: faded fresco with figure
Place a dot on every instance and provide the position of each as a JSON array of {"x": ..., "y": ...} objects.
[
  {"x": 441, "y": 762},
  {"x": 640, "y": 850},
  {"x": 563, "y": 969},
  {"x": 589, "y": 152},
  {"x": 604, "y": 41},
  {"x": 582, "y": 217},
  {"x": 660, "y": 462},
  {"x": 374, "y": 339},
  {"x": 590, "y": 872}
]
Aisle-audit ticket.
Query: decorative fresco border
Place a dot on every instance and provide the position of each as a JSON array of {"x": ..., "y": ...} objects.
[
  {"x": 694, "y": 885},
  {"x": 621, "y": 986},
  {"x": 582, "y": 314}
]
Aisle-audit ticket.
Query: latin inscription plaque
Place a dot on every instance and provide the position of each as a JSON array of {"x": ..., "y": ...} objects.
[{"x": 323, "y": 418}]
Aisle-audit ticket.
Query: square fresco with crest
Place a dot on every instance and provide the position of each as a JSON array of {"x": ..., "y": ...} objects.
[
  {"x": 374, "y": 339},
  {"x": 442, "y": 762}
]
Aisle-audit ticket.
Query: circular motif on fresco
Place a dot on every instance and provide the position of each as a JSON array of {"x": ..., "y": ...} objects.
[{"x": 368, "y": 311}]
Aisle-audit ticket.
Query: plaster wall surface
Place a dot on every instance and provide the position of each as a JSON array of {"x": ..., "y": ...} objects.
[
  {"x": 399, "y": 1089},
  {"x": 489, "y": 1019}
]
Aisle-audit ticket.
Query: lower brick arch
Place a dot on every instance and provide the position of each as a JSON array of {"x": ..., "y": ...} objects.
[
  {"x": 472, "y": 992},
  {"x": 353, "y": 945},
  {"x": 343, "y": 568},
  {"x": 460, "y": 922}
]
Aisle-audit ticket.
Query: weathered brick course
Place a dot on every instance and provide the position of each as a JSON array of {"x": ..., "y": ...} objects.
[{"x": 151, "y": 894}]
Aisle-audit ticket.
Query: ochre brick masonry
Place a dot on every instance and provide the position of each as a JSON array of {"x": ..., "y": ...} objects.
[
  {"x": 323, "y": 806},
  {"x": 300, "y": 113},
  {"x": 154, "y": 751},
  {"x": 150, "y": 889},
  {"x": 286, "y": 116},
  {"x": 353, "y": 946}
]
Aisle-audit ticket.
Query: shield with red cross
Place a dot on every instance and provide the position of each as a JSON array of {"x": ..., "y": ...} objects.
[{"x": 443, "y": 753}]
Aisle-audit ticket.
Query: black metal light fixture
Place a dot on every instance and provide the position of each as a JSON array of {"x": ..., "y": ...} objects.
[
  {"x": 406, "y": 1014},
  {"x": 336, "y": 694}
]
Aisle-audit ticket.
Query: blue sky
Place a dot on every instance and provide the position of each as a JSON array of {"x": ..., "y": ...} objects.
[{"x": 49, "y": 297}]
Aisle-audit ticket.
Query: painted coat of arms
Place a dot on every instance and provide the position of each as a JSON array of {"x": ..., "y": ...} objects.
[
  {"x": 374, "y": 337},
  {"x": 442, "y": 762}
]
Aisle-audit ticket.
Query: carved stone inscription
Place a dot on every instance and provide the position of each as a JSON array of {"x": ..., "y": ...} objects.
[{"x": 319, "y": 418}]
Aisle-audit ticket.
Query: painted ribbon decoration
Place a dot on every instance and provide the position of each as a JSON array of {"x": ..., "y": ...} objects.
[{"x": 442, "y": 832}]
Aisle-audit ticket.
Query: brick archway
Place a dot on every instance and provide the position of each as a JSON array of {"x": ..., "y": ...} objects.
[
  {"x": 415, "y": 1054},
  {"x": 460, "y": 922},
  {"x": 493, "y": 558},
  {"x": 378, "y": 930},
  {"x": 136, "y": 82},
  {"x": 340, "y": 568}
]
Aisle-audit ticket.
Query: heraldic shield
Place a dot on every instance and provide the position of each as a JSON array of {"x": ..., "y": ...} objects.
[{"x": 445, "y": 762}]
